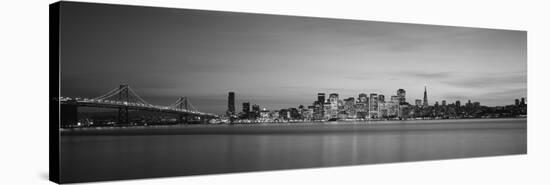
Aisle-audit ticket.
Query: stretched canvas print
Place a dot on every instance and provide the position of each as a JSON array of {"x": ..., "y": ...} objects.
[{"x": 143, "y": 92}]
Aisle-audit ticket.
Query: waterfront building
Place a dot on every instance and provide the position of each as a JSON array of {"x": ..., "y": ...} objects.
[
  {"x": 246, "y": 108},
  {"x": 388, "y": 109},
  {"x": 294, "y": 113},
  {"x": 384, "y": 109},
  {"x": 349, "y": 107},
  {"x": 361, "y": 114},
  {"x": 327, "y": 110},
  {"x": 318, "y": 111},
  {"x": 264, "y": 113},
  {"x": 522, "y": 101},
  {"x": 255, "y": 111},
  {"x": 335, "y": 104},
  {"x": 284, "y": 114},
  {"x": 361, "y": 107},
  {"x": 393, "y": 109},
  {"x": 404, "y": 111},
  {"x": 436, "y": 110},
  {"x": 245, "y": 113},
  {"x": 340, "y": 105},
  {"x": 301, "y": 110},
  {"x": 274, "y": 115},
  {"x": 373, "y": 105},
  {"x": 308, "y": 113}
]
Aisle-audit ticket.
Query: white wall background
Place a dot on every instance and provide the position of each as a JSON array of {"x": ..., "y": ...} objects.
[{"x": 24, "y": 89}]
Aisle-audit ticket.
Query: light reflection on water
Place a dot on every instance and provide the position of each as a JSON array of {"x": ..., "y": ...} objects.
[{"x": 89, "y": 158}]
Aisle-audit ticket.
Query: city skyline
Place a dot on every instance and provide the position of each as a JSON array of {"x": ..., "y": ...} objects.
[
  {"x": 282, "y": 61},
  {"x": 400, "y": 95}
]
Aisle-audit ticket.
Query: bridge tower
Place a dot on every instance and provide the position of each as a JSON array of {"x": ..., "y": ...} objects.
[
  {"x": 123, "y": 96},
  {"x": 183, "y": 104}
]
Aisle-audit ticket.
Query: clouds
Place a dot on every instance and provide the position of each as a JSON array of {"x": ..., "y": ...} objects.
[
  {"x": 489, "y": 80},
  {"x": 431, "y": 75},
  {"x": 164, "y": 54}
]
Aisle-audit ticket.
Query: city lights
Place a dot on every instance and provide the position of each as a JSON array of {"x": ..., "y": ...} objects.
[{"x": 371, "y": 107}]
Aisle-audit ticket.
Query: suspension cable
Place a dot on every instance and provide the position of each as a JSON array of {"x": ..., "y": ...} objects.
[
  {"x": 175, "y": 104},
  {"x": 108, "y": 94},
  {"x": 137, "y": 96}
]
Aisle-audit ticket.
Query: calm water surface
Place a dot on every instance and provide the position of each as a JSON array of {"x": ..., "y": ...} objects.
[{"x": 92, "y": 157}]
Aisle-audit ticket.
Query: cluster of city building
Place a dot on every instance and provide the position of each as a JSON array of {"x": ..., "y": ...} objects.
[{"x": 373, "y": 106}]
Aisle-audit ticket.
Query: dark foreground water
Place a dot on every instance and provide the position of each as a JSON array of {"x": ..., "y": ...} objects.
[{"x": 125, "y": 153}]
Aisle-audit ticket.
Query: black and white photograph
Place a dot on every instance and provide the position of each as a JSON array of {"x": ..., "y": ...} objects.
[
  {"x": 148, "y": 92},
  {"x": 274, "y": 92}
]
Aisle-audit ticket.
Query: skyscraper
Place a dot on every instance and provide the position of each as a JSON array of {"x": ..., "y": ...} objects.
[
  {"x": 231, "y": 104},
  {"x": 333, "y": 99},
  {"x": 349, "y": 107},
  {"x": 362, "y": 107},
  {"x": 425, "y": 97},
  {"x": 318, "y": 111},
  {"x": 401, "y": 93},
  {"x": 381, "y": 98},
  {"x": 255, "y": 111},
  {"x": 363, "y": 98},
  {"x": 373, "y": 105},
  {"x": 321, "y": 104},
  {"x": 327, "y": 110},
  {"x": 443, "y": 103},
  {"x": 246, "y": 107},
  {"x": 321, "y": 98}
]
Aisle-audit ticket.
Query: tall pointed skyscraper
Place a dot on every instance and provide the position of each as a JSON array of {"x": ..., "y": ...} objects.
[{"x": 425, "y": 97}]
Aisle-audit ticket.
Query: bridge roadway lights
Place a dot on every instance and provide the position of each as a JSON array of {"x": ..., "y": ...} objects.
[{"x": 189, "y": 119}]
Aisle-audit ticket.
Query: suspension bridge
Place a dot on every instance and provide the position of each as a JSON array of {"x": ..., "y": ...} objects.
[{"x": 125, "y": 99}]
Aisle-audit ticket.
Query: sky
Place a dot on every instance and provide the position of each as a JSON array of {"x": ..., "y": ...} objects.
[{"x": 281, "y": 61}]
